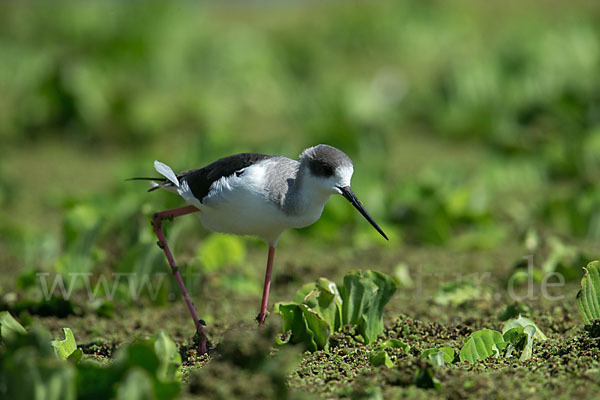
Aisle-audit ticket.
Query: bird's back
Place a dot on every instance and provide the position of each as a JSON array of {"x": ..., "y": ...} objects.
[{"x": 200, "y": 180}]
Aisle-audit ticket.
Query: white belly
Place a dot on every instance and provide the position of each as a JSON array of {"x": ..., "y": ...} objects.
[{"x": 244, "y": 212}]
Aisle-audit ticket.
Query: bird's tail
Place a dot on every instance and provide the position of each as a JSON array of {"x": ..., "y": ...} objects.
[{"x": 170, "y": 179}]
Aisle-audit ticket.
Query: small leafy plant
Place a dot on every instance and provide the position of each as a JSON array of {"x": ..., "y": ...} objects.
[
  {"x": 588, "y": 298},
  {"x": 380, "y": 357},
  {"x": 481, "y": 344},
  {"x": 34, "y": 367},
  {"x": 9, "y": 326},
  {"x": 322, "y": 307},
  {"x": 67, "y": 349},
  {"x": 439, "y": 357},
  {"x": 518, "y": 335}
]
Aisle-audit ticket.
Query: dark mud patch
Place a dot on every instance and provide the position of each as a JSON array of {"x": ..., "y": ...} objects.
[{"x": 245, "y": 365}]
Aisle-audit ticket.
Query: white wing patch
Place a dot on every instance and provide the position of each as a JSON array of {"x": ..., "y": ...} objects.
[{"x": 166, "y": 171}]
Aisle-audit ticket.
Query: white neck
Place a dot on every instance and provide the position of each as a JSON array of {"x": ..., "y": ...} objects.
[{"x": 305, "y": 200}]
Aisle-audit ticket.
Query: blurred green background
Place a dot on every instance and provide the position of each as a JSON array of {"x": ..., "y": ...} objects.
[{"x": 469, "y": 124}]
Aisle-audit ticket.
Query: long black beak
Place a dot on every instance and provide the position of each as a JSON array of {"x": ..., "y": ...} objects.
[{"x": 351, "y": 197}]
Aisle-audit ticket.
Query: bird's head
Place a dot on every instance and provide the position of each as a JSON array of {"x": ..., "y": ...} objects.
[
  {"x": 331, "y": 170},
  {"x": 328, "y": 167}
]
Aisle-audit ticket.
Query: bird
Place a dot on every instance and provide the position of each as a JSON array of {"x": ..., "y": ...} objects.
[{"x": 255, "y": 194}]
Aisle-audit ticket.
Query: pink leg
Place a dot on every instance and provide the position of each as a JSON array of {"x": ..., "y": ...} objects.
[
  {"x": 157, "y": 220},
  {"x": 265, "y": 298}
]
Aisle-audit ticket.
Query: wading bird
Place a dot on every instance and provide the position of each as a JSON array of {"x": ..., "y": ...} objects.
[{"x": 259, "y": 195}]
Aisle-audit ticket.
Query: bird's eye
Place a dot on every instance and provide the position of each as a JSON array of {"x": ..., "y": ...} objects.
[
  {"x": 319, "y": 168},
  {"x": 327, "y": 170}
]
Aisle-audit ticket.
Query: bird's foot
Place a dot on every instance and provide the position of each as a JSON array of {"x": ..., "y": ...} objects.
[
  {"x": 201, "y": 342},
  {"x": 260, "y": 318}
]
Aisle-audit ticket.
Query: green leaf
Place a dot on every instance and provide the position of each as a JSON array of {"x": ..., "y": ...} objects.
[
  {"x": 305, "y": 292},
  {"x": 482, "y": 344},
  {"x": 394, "y": 344},
  {"x": 76, "y": 356},
  {"x": 381, "y": 357},
  {"x": 357, "y": 294},
  {"x": 169, "y": 357},
  {"x": 513, "y": 335},
  {"x": 293, "y": 322},
  {"x": 324, "y": 298},
  {"x": 588, "y": 298},
  {"x": 64, "y": 348},
  {"x": 284, "y": 338},
  {"x": 305, "y": 325},
  {"x": 9, "y": 326},
  {"x": 318, "y": 329},
  {"x": 520, "y": 338},
  {"x": 439, "y": 357},
  {"x": 364, "y": 296},
  {"x": 330, "y": 303},
  {"x": 522, "y": 322},
  {"x": 516, "y": 340},
  {"x": 530, "y": 331}
]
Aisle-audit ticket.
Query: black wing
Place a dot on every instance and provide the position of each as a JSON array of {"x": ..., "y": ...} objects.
[{"x": 201, "y": 179}]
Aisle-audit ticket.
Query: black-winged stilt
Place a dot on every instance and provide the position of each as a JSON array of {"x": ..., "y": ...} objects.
[{"x": 259, "y": 195}]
